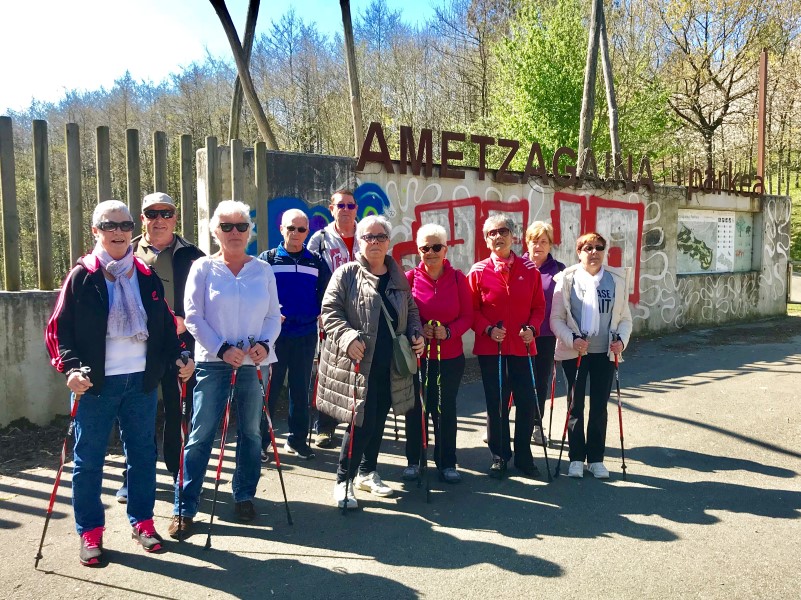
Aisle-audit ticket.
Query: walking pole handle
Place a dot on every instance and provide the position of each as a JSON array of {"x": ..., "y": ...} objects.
[{"x": 185, "y": 356}]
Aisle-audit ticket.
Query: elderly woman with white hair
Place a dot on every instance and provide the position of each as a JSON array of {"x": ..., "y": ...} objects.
[
  {"x": 508, "y": 308},
  {"x": 111, "y": 316},
  {"x": 367, "y": 302},
  {"x": 230, "y": 296},
  {"x": 445, "y": 303}
]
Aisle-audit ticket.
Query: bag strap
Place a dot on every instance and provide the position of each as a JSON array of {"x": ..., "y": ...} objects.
[{"x": 388, "y": 318}]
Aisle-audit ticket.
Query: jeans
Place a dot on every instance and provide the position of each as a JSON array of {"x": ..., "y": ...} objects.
[
  {"x": 295, "y": 356},
  {"x": 601, "y": 371},
  {"x": 210, "y": 398},
  {"x": 122, "y": 399}
]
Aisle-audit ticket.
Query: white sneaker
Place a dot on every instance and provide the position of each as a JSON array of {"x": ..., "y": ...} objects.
[
  {"x": 339, "y": 495},
  {"x": 576, "y": 469},
  {"x": 372, "y": 483},
  {"x": 539, "y": 437},
  {"x": 598, "y": 470}
]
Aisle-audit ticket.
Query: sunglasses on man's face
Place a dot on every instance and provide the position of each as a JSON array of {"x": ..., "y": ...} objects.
[
  {"x": 292, "y": 228},
  {"x": 113, "y": 226},
  {"x": 434, "y": 247},
  {"x": 502, "y": 232},
  {"x": 348, "y": 205},
  {"x": 165, "y": 213},
  {"x": 589, "y": 248},
  {"x": 240, "y": 227},
  {"x": 372, "y": 238}
]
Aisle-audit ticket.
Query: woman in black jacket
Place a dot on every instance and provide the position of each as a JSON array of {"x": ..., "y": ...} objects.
[{"x": 111, "y": 316}]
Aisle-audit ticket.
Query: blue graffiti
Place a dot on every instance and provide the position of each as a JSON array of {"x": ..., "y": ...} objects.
[{"x": 372, "y": 200}]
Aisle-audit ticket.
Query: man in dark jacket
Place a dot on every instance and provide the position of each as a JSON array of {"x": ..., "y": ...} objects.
[
  {"x": 301, "y": 277},
  {"x": 170, "y": 256}
]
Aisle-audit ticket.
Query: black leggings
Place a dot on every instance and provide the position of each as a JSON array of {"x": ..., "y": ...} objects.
[
  {"x": 445, "y": 427},
  {"x": 543, "y": 366}
]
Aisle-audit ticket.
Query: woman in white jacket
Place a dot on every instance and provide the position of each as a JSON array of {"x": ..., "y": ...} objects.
[{"x": 590, "y": 316}]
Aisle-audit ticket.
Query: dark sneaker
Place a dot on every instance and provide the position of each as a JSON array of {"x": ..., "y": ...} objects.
[
  {"x": 122, "y": 494},
  {"x": 300, "y": 449},
  {"x": 144, "y": 532},
  {"x": 450, "y": 475},
  {"x": 529, "y": 470},
  {"x": 245, "y": 511},
  {"x": 266, "y": 456},
  {"x": 411, "y": 473},
  {"x": 185, "y": 527},
  {"x": 91, "y": 550},
  {"x": 324, "y": 439},
  {"x": 498, "y": 468}
]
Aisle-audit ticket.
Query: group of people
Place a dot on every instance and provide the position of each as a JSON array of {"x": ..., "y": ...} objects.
[{"x": 132, "y": 311}]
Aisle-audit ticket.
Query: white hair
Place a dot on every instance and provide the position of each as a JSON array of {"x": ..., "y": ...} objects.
[
  {"x": 230, "y": 207},
  {"x": 431, "y": 230},
  {"x": 496, "y": 222},
  {"x": 107, "y": 206},
  {"x": 361, "y": 226},
  {"x": 292, "y": 214}
]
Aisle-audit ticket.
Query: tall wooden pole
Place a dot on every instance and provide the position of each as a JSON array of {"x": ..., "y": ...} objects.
[
  {"x": 353, "y": 77},
  {"x": 44, "y": 230},
  {"x": 762, "y": 110}
]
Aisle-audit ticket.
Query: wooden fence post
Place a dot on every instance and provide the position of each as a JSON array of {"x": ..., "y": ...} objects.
[
  {"x": 260, "y": 159},
  {"x": 187, "y": 189},
  {"x": 74, "y": 204},
  {"x": 8, "y": 190},
  {"x": 134, "y": 177},
  {"x": 103, "y": 164},
  {"x": 159, "y": 161},
  {"x": 237, "y": 171},
  {"x": 212, "y": 179},
  {"x": 44, "y": 229}
]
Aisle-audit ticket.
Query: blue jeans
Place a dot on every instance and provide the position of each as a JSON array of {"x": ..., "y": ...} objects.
[
  {"x": 209, "y": 400},
  {"x": 122, "y": 399},
  {"x": 295, "y": 356}
]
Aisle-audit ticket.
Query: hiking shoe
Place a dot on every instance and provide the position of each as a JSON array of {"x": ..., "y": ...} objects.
[
  {"x": 576, "y": 469},
  {"x": 144, "y": 532},
  {"x": 324, "y": 439},
  {"x": 301, "y": 450},
  {"x": 372, "y": 483},
  {"x": 498, "y": 468},
  {"x": 245, "y": 511},
  {"x": 339, "y": 495},
  {"x": 539, "y": 437},
  {"x": 122, "y": 494},
  {"x": 91, "y": 550},
  {"x": 411, "y": 473},
  {"x": 450, "y": 475},
  {"x": 266, "y": 457},
  {"x": 185, "y": 530},
  {"x": 598, "y": 470},
  {"x": 529, "y": 470}
]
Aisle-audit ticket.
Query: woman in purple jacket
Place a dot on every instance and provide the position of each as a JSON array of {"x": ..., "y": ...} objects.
[{"x": 539, "y": 240}]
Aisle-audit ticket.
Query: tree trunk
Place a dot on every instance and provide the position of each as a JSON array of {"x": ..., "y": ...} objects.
[
  {"x": 588, "y": 99},
  {"x": 353, "y": 76},
  {"x": 611, "y": 99},
  {"x": 236, "y": 99},
  {"x": 244, "y": 74}
]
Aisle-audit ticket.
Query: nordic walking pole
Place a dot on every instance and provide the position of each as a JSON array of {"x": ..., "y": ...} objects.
[
  {"x": 226, "y": 414},
  {"x": 569, "y": 410},
  {"x": 423, "y": 466},
  {"x": 539, "y": 412},
  {"x": 616, "y": 337},
  {"x": 265, "y": 393},
  {"x": 553, "y": 394},
  {"x": 312, "y": 399},
  {"x": 182, "y": 383},
  {"x": 70, "y": 428},
  {"x": 438, "y": 425},
  {"x": 352, "y": 433},
  {"x": 500, "y": 388}
]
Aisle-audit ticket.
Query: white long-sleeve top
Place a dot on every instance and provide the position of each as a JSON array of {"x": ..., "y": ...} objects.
[{"x": 222, "y": 307}]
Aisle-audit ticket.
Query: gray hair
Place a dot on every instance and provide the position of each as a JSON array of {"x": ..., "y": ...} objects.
[
  {"x": 107, "y": 206},
  {"x": 361, "y": 226},
  {"x": 496, "y": 222},
  {"x": 431, "y": 230},
  {"x": 230, "y": 207},
  {"x": 292, "y": 214}
]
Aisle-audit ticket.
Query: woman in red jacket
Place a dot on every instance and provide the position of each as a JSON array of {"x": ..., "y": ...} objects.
[
  {"x": 508, "y": 309},
  {"x": 442, "y": 295}
]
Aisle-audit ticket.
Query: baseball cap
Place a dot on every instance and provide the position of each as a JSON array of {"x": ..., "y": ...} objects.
[{"x": 156, "y": 198}]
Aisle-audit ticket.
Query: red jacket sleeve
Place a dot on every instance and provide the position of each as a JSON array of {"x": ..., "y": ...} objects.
[{"x": 464, "y": 321}]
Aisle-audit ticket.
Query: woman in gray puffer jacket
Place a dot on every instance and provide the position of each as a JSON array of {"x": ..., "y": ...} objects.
[{"x": 357, "y": 331}]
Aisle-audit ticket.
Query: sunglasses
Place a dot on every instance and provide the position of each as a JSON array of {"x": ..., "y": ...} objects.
[
  {"x": 348, "y": 205},
  {"x": 434, "y": 247},
  {"x": 291, "y": 228},
  {"x": 240, "y": 227},
  {"x": 372, "y": 238},
  {"x": 113, "y": 226},
  {"x": 165, "y": 213},
  {"x": 502, "y": 232},
  {"x": 588, "y": 248}
]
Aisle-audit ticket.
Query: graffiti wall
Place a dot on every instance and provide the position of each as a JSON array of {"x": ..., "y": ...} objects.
[{"x": 695, "y": 261}]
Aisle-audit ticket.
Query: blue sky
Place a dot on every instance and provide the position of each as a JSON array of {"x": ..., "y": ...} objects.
[{"x": 87, "y": 44}]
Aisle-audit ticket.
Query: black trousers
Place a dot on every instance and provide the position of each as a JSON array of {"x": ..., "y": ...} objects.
[
  {"x": 543, "y": 367},
  {"x": 367, "y": 438},
  {"x": 515, "y": 379},
  {"x": 171, "y": 398},
  {"x": 600, "y": 371},
  {"x": 441, "y": 405}
]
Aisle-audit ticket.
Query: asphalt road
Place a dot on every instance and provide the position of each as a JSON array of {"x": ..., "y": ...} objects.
[{"x": 710, "y": 508}]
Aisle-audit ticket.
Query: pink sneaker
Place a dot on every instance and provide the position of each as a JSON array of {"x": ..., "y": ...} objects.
[
  {"x": 91, "y": 550},
  {"x": 144, "y": 532}
]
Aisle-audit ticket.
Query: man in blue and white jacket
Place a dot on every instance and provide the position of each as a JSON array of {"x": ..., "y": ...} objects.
[{"x": 301, "y": 277}]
